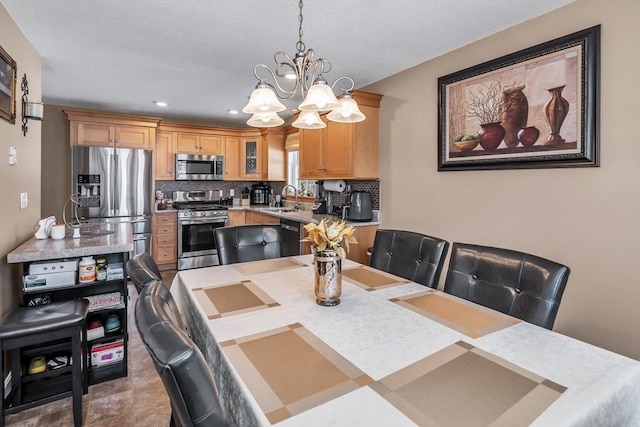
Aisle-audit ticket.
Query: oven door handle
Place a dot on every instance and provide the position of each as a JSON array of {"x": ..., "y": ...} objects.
[{"x": 202, "y": 221}]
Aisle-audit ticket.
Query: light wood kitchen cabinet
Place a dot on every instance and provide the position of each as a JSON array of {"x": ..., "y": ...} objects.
[
  {"x": 164, "y": 154},
  {"x": 254, "y": 156},
  {"x": 274, "y": 155},
  {"x": 250, "y": 158},
  {"x": 365, "y": 235},
  {"x": 165, "y": 247},
  {"x": 253, "y": 217},
  {"x": 343, "y": 150},
  {"x": 236, "y": 218},
  {"x": 190, "y": 143},
  {"x": 231, "y": 158},
  {"x": 104, "y": 130}
]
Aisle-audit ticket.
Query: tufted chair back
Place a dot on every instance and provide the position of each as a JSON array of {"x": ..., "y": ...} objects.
[
  {"x": 411, "y": 255},
  {"x": 244, "y": 243},
  {"x": 184, "y": 372},
  {"x": 518, "y": 284},
  {"x": 143, "y": 270}
]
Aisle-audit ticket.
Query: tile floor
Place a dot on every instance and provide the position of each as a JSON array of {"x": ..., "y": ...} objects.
[{"x": 137, "y": 400}]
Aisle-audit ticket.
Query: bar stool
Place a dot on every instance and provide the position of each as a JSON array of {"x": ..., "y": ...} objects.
[{"x": 50, "y": 326}]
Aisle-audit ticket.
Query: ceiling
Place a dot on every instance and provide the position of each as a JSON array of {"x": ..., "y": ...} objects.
[{"x": 198, "y": 55}]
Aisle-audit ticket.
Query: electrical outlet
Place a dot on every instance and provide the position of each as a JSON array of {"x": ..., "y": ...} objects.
[
  {"x": 24, "y": 200},
  {"x": 232, "y": 192}
]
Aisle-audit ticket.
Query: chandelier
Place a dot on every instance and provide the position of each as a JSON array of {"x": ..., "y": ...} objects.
[{"x": 304, "y": 75}]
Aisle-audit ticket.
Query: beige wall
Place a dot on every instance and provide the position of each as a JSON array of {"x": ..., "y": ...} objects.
[
  {"x": 56, "y": 168},
  {"x": 16, "y": 225},
  {"x": 587, "y": 218}
]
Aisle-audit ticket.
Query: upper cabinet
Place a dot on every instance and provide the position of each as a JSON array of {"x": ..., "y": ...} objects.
[
  {"x": 191, "y": 143},
  {"x": 255, "y": 156},
  {"x": 164, "y": 154},
  {"x": 105, "y": 130},
  {"x": 343, "y": 150}
]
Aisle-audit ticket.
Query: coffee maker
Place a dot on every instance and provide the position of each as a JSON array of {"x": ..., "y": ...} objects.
[
  {"x": 260, "y": 193},
  {"x": 321, "y": 205}
]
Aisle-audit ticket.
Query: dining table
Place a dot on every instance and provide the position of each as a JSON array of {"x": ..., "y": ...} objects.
[{"x": 391, "y": 353}]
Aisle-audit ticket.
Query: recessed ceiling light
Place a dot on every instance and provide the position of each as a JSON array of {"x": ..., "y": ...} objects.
[
  {"x": 160, "y": 103},
  {"x": 233, "y": 111}
]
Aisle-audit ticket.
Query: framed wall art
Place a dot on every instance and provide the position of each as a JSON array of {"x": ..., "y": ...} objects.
[
  {"x": 538, "y": 107},
  {"x": 7, "y": 87}
]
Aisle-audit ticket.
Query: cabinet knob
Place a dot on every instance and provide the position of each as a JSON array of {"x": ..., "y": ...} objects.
[
  {"x": 166, "y": 229},
  {"x": 166, "y": 240}
]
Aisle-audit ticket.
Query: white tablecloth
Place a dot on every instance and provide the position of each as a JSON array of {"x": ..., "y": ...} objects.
[{"x": 381, "y": 337}]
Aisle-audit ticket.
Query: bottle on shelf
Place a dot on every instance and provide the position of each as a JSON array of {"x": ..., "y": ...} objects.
[
  {"x": 87, "y": 269},
  {"x": 101, "y": 269}
]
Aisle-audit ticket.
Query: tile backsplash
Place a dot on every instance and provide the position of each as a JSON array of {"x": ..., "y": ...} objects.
[{"x": 338, "y": 199}]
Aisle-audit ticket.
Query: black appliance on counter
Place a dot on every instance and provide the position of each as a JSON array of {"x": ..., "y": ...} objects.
[
  {"x": 322, "y": 201},
  {"x": 360, "y": 207},
  {"x": 260, "y": 193},
  {"x": 199, "y": 213}
]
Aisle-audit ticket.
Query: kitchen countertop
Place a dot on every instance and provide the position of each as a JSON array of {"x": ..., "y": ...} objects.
[
  {"x": 115, "y": 238},
  {"x": 305, "y": 215}
]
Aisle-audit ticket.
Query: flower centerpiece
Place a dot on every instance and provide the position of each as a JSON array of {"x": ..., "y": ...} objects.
[
  {"x": 325, "y": 236},
  {"x": 329, "y": 242}
]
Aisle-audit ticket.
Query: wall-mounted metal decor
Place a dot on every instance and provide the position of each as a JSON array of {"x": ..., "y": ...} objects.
[
  {"x": 7, "y": 87},
  {"x": 538, "y": 107}
]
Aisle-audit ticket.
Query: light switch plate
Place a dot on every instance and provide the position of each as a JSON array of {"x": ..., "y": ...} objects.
[
  {"x": 13, "y": 156},
  {"x": 24, "y": 200}
]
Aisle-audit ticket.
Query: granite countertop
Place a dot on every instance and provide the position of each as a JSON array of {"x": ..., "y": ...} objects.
[
  {"x": 116, "y": 238},
  {"x": 305, "y": 215}
]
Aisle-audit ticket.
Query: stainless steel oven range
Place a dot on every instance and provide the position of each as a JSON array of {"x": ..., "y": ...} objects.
[{"x": 198, "y": 215}]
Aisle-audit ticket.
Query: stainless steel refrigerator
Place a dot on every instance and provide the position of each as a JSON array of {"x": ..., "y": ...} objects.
[{"x": 113, "y": 185}]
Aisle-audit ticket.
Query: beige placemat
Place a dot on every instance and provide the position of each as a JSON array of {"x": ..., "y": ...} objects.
[
  {"x": 464, "y": 316},
  {"x": 267, "y": 265},
  {"x": 289, "y": 370},
  {"x": 462, "y": 385},
  {"x": 370, "y": 279},
  {"x": 232, "y": 298}
]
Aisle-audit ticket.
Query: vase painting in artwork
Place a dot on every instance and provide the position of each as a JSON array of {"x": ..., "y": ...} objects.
[
  {"x": 515, "y": 110},
  {"x": 555, "y": 111}
]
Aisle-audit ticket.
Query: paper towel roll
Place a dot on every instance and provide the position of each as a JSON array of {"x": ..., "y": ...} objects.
[{"x": 335, "y": 185}]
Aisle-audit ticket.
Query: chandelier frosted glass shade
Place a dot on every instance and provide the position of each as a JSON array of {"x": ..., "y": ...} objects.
[
  {"x": 348, "y": 112},
  {"x": 263, "y": 100},
  {"x": 320, "y": 97},
  {"x": 309, "y": 120},
  {"x": 265, "y": 120}
]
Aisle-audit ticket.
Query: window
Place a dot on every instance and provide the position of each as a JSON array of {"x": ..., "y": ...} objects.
[{"x": 307, "y": 187}]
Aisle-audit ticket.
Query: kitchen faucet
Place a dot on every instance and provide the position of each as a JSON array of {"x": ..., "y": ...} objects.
[{"x": 296, "y": 205}]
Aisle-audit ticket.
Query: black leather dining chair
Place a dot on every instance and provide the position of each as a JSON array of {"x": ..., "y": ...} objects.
[
  {"x": 251, "y": 242},
  {"x": 143, "y": 270},
  {"x": 184, "y": 372},
  {"x": 516, "y": 283},
  {"x": 411, "y": 255}
]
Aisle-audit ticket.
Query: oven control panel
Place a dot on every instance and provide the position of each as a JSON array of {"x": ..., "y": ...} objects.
[{"x": 202, "y": 214}]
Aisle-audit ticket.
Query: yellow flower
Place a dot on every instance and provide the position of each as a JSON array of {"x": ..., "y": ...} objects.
[{"x": 325, "y": 236}]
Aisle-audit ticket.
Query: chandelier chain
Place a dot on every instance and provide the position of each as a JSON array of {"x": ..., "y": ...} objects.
[{"x": 300, "y": 45}]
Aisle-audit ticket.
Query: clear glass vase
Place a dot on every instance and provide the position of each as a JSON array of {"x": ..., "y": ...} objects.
[{"x": 328, "y": 277}]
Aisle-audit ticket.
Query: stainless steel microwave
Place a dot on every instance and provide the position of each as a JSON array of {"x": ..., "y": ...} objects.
[{"x": 199, "y": 167}]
